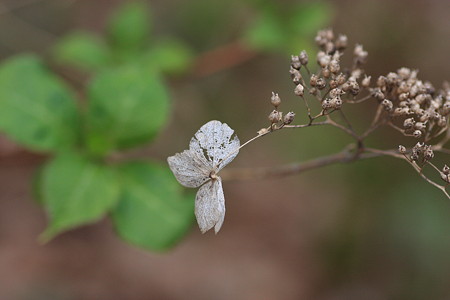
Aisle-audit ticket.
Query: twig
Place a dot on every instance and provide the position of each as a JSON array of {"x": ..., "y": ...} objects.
[
  {"x": 290, "y": 169},
  {"x": 413, "y": 164}
]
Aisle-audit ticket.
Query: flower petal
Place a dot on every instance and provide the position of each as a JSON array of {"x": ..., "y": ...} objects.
[
  {"x": 190, "y": 168},
  {"x": 210, "y": 206},
  {"x": 213, "y": 140}
]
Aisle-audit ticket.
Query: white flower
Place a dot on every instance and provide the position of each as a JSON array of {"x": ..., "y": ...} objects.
[{"x": 211, "y": 149}]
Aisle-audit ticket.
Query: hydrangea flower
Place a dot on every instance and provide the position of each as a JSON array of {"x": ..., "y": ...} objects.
[{"x": 210, "y": 150}]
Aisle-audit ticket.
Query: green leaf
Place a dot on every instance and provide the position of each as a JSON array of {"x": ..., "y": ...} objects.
[
  {"x": 307, "y": 18},
  {"x": 36, "y": 109},
  {"x": 266, "y": 33},
  {"x": 129, "y": 26},
  {"x": 76, "y": 191},
  {"x": 82, "y": 50},
  {"x": 127, "y": 107},
  {"x": 170, "y": 56},
  {"x": 152, "y": 212},
  {"x": 36, "y": 185}
]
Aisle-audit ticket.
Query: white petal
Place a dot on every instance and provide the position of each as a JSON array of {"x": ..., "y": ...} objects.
[
  {"x": 210, "y": 206},
  {"x": 190, "y": 168},
  {"x": 213, "y": 140}
]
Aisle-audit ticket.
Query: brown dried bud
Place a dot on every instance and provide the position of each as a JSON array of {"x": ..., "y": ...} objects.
[
  {"x": 334, "y": 66},
  {"x": 446, "y": 170},
  {"x": 275, "y": 116},
  {"x": 326, "y": 72},
  {"x": 326, "y": 104},
  {"x": 323, "y": 60},
  {"x": 333, "y": 83},
  {"x": 275, "y": 100},
  {"x": 381, "y": 81},
  {"x": 313, "y": 80},
  {"x": 377, "y": 94},
  {"x": 366, "y": 82},
  {"x": 354, "y": 87},
  {"x": 336, "y": 103},
  {"x": 408, "y": 123},
  {"x": 360, "y": 54},
  {"x": 295, "y": 62},
  {"x": 288, "y": 118},
  {"x": 387, "y": 105},
  {"x": 446, "y": 108},
  {"x": 446, "y": 178},
  {"x": 428, "y": 154},
  {"x": 392, "y": 78},
  {"x": 303, "y": 57},
  {"x": 401, "y": 149},
  {"x": 417, "y": 134},
  {"x": 321, "y": 83},
  {"x": 404, "y": 73},
  {"x": 295, "y": 75},
  {"x": 341, "y": 42},
  {"x": 299, "y": 90},
  {"x": 336, "y": 92},
  {"x": 403, "y": 96},
  {"x": 341, "y": 79},
  {"x": 414, "y": 156},
  {"x": 420, "y": 126}
]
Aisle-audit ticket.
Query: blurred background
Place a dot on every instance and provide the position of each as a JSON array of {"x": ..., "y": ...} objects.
[{"x": 369, "y": 230}]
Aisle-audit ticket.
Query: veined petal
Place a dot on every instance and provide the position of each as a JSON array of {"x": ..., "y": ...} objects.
[
  {"x": 210, "y": 206},
  {"x": 190, "y": 168},
  {"x": 214, "y": 141}
]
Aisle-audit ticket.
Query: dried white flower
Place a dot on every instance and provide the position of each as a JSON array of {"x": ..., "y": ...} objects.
[{"x": 211, "y": 149}]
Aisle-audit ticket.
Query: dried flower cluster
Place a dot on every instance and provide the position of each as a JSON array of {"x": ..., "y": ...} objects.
[{"x": 404, "y": 102}]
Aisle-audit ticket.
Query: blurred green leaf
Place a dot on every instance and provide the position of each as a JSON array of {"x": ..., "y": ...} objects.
[
  {"x": 82, "y": 50},
  {"x": 152, "y": 211},
  {"x": 127, "y": 107},
  {"x": 286, "y": 29},
  {"x": 76, "y": 191},
  {"x": 267, "y": 33},
  {"x": 129, "y": 26},
  {"x": 36, "y": 109},
  {"x": 36, "y": 185},
  {"x": 309, "y": 17},
  {"x": 170, "y": 56}
]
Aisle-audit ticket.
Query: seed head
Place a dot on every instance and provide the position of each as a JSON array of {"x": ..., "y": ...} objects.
[
  {"x": 446, "y": 170},
  {"x": 408, "y": 123},
  {"x": 299, "y": 90},
  {"x": 417, "y": 134},
  {"x": 275, "y": 116},
  {"x": 303, "y": 57},
  {"x": 288, "y": 118},
  {"x": 341, "y": 42},
  {"x": 366, "y": 82},
  {"x": 295, "y": 62},
  {"x": 275, "y": 100}
]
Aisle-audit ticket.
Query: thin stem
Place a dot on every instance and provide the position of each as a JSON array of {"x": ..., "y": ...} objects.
[
  {"x": 290, "y": 169},
  {"x": 359, "y": 100},
  {"x": 343, "y": 128},
  {"x": 375, "y": 122},
  {"x": 413, "y": 164}
]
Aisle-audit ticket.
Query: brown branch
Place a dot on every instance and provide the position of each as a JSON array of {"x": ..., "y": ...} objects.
[{"x": 291, "y": 169}]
